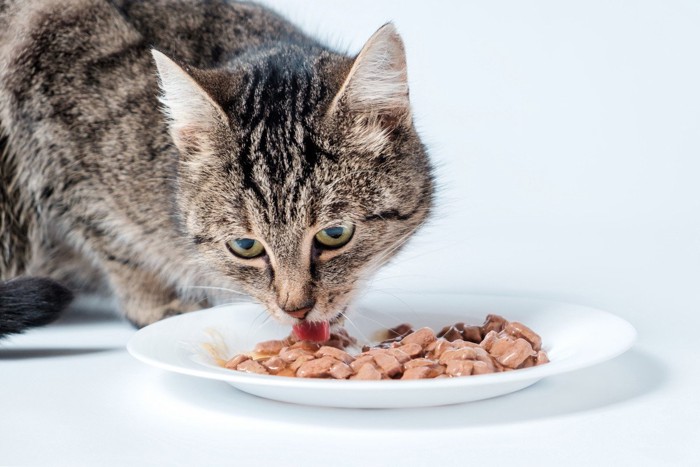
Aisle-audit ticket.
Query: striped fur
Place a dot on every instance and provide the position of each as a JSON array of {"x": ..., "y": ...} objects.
[{"x": 260, "y": 132}]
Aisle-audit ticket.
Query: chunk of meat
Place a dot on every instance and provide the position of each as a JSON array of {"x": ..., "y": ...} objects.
[
  {"x": 459, "y": 367},
  {"x": 418, "y": 372},
  {"x": 399, "y": 331},
  {"x": 335, "y": 353},
  {"x": 235, "y": 361},
  {"x": 493, "y": 323},
  {"x": 416, "y": 362},
  {"x": 489, "y": 339},
  {"x": 360, "y": 361},
  {"x": 272, "y": 347},
  {"x": 517, "y": 329},
  {"x": 388, "y": 364},
  {"x": 251, "y": 366},
  {"x": 511, "y": 353},
  {"x": 398, "y": 354},
  {"x": 368, "y": 372},
  {"x": 423, "y": 372},
  {"x": 274, "y": 364},
  {"x": 485, "y": 358},
  {"x": 306, "y": 345},
  {"x": 340, "y": 370},
  {"x": 286, "y": 372},
  {"x": 316, "y": 368},
  {"x": 482, "y": 368},
  {"x": 450, "y": 333},
  {"x": 422, "y": 337},
  {"x": 460, "y": 344},
  {"x": 457, "y": 354},
  {"x": 437, "y": 347},
  {"x": 300, "y": 361},
  {"x": 472, "y": 334},
  {"x": 340, "y": 339},
  {"x": 412, "y": 349},
  {"x": 290, "y": 355}
]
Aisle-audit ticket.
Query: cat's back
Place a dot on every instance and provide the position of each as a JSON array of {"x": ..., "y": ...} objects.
[
  {"x": 207, "y": 33},
  {"x": 202, "y": 33},
  {"x": 80, "y": 72}
]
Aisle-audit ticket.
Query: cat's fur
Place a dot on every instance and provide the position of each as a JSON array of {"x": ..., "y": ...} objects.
[{"x": 267, "y": 134}]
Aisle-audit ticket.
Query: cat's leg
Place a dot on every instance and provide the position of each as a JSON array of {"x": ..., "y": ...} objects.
[
  {"x": 64, "y": 263},
  {"x": 143, "y": 297}
]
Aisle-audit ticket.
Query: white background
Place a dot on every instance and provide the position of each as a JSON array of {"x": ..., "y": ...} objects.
[{"x": 566, "y": 137}]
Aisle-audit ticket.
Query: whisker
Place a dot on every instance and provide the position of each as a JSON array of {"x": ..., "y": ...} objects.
[
  {"x": 223, "y": 304},
  {"x": 201, "y": 300},
  {"x": 362, "y": 294},
  {"x": 400, "y": 276},
  {"x": 404, "y": 302},
  {"x": 250, "y": 330},
  {"x": 379, "y": 261},
  {"x": 362, "y": 334},
  {"x": 263, "y": 323},
  {"x": 220, "y": 305},
  {"x": 216, "y": 288},
  {"x": 431, "y": 251},
  {"x": 382, "y": 326}
]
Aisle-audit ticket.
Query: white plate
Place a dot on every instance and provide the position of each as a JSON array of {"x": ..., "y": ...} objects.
[{"x": 573, "y": 336}]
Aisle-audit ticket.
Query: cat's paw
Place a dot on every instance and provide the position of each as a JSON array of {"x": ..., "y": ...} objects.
[{"x": 144, "y": 317}]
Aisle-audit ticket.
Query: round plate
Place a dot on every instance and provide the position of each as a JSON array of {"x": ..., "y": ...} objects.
[{"x": 573, "y": 336}]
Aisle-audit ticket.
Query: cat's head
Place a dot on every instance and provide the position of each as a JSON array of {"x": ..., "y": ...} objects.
[{"x": 300, "y": 170}]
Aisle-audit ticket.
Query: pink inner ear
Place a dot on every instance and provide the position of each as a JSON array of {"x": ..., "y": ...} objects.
[
  {"x": 377, "y": 84},
  {"x": 191, "y": 112},
  {"x": 189, "y": 136}
]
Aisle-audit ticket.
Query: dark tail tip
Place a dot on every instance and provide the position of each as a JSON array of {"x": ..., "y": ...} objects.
[{"x": 30, "y": 301}]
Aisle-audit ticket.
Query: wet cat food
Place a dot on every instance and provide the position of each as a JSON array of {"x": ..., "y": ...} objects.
[{"x": 405, "y": 353}]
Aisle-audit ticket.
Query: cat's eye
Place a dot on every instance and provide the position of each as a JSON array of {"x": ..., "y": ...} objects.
[
  {"x": 246, "y": 248},
  {"x": 336, "y": 236}
]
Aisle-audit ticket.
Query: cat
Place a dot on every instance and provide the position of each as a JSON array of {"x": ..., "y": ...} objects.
[{"x": 175, "y": 154}]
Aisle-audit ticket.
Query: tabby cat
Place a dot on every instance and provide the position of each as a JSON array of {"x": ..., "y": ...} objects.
[{"x": 171, "y": 154}]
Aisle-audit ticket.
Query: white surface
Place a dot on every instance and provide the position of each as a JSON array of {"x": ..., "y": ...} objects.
[
  {"x": 568, "y": 139},
  {"x": 574, "y": 337}
]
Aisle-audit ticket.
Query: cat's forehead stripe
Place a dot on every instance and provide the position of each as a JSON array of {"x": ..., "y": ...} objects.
[{"x": 278, "y": 153}]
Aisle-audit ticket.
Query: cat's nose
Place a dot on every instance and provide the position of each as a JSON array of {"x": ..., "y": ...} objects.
[{"x": 300, "y": 312}]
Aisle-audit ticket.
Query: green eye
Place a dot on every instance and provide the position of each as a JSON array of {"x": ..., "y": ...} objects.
[
  {"x": 246, "y": 248},
  {"x": 336, "y": 236}
]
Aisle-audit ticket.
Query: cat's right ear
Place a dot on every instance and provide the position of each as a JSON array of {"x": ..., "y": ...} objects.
[
  {"x": 375, "y": 91},
  {"x": 193, "y": 115}
]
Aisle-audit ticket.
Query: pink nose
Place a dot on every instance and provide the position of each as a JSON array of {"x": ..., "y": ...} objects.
[{"x": 299, "y": 313}]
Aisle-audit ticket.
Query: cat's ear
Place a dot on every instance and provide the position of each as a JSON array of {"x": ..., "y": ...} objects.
[
  {"x": 192, "y": 114},
  {"x": 377, "y": 85}
]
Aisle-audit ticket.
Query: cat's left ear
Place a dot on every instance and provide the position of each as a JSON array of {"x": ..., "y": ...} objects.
[
  {"x": 376, "y": 88},
  {"x": 193, "y": 115}
]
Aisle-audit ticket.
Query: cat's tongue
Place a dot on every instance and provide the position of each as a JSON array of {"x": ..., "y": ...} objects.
[{"x": 317, "y": 331}]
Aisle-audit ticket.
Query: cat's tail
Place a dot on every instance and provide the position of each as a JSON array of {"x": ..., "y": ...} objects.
[{"x": 30, "y": 301}]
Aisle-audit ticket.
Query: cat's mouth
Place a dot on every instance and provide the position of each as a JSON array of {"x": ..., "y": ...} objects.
[
  {"x": 314, "y": 326},
  {"x": 317, "y": 331}
]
